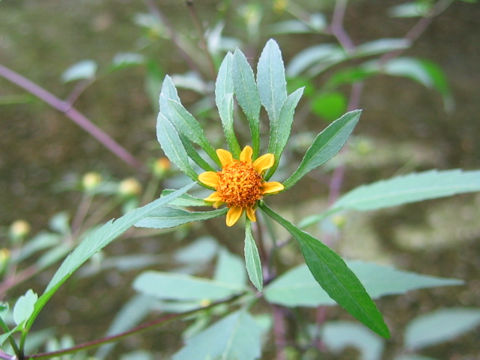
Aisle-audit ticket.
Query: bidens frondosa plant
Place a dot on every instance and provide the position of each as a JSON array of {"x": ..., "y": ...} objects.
[
  {"x": 243, "y": 179},
  {"x": 240, "y": 184}
]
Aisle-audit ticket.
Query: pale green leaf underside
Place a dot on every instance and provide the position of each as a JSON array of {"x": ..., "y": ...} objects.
[
  {"x": 172, "y": 286},
  {"x": 297, "y": 287},
  {"x": 169, "y": 217},
  {"x": 409, "y": 188},
  {"x": 24, "y": 307},
  {"x": 326, "y": 145},
  {"x": 440, "y": 326},
  {"x": 252, "y": 259},
  {"x": 230, "y": 269},
  {"x": 234, "y": 337}
]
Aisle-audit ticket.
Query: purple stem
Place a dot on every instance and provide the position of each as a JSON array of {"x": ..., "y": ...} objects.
[{"x": 72, "y": 113}]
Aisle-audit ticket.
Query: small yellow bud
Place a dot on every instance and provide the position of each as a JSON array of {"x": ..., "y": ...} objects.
[
  {"x": 205, "y": 303},
  {"x": 19, "y": 229},
  {"x": 4, "y": 258},
  {"x": 161, "y": 166},
  {"x": 91, "y": 180},
  {"x": 129, "y": 187},
  {"x": 339, "y": 221},
  {"x": 279, "y": 6}
]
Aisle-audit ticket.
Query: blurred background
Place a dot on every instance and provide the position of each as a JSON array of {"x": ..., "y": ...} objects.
[{"x": 125, "y": 47}]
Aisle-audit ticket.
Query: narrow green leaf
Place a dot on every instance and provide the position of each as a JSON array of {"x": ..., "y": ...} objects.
[
  {"x": 170, "y": 286},
  {"x": 94, "y": 242},
  {"x": 440, "y": 326},
  {"x": 335, "y": 277},
  {"x": 187, "y": 125},
  {"x": 280, "y": 129},
  {"x": 82, "y": 70},
  {"x": 341, "y": 334},
  {"x": 236, "y": 336},
  {"x": 230, "y": 269},
  {"x": 24, "y": 307},
  {"x": 324, "y": 55},
  {"x": 169, "y": 217},
  {"x": 252, "y": 258},
  {"x": 410, "y": 9},
  {"x": 381, "y": 46},
  {"x": 297, "y": 287},
  {"x": 247, "y": 95},
  {"x": 194, "y": 154},
  {"x": 168, "y": 91},
  {"x": 326, "y": 145},
  {"x": 227, "y": 122},
  {"x": 272, "y": 86},
  {"x": 172, "y": 146},
  {"x": 409, "y": 188},
  {"x": 186, "y": 200}
]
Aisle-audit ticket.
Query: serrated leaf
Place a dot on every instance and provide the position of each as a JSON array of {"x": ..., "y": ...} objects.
[
  {"x": 252, "y": 259},
  {"x": 297, "y": 287},
  {"x": 172, "y": 146},
  {"x": 326, "y": 145},
  {"x": 236, "y": 336},
  {"x": 24, "y": 307},
  {"x": 247, "y": 95},
  {"x": 409, "y": 188},
  {"x": 341, "y": 334},
  {"x": 85, "y": 69},
  {"x": 230, "y": 269},
  {"x": 94, "y": 242},
  {"x": 271, "y": 82},
  {"x": 170, "y": 217},
  {"x": 280, "y": 129},
  {"x": 171, "y": 286},
  {"x": 334, "y": 276},
  {"x": 440, "y": 326},
  {"x": 224, "y": 90}
]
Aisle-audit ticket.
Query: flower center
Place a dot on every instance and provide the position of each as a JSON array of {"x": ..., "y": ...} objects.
[{"x": 239, "y": 185}]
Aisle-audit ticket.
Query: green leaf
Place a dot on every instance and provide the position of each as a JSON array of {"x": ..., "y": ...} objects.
[
  {"x": 326, "y": 145},
  {"x": 230, "y": 269},
  {"x": 324, "y": 55},
  {"x": 125, "y": 60},
  {"x": 280, "y": 129},
  {"x": 413, "y": 357},
  {"x": 24, "y": 307},
  {"x": 172, "y": 146},
  {"x": 202, "y": 250},
  {"x": 411, "y": 9},
  {"x": 94, "y": 242},
  {"x": 236, "y": 336},
  {"x": 381, "y": 46},
  {"x": 272, "y": 86},
  {"x": 188, "y": 126},
  {"x": 247, "y": 95},
  {"x": 252, "y": 258},
  {"x": 409, "y": 188},
  {"x": 335, "y": 277},
  {"x": 329, "y": 105},
  {"x": 185, "y": 200},
  {"x": 440, "y": 326},
  {"x": 297, "y": 287},
  {"x": 170, "y": 286},
  {"x": 82, "y": 70},
  {"x": 194, "y": 154},
  {"x": 224, "y": 99},
  {"x": 339, "y": 335},
  {"x": 169, "y": 217}
]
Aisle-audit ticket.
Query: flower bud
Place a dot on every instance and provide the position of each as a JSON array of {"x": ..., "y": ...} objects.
[
  {"x": 339, "y": 221},
  {"x": 161, "y": 166},
  {"x": 91, "y": 180},
  {"x": 129, "y": 187},
  {"x": 4, "y": 259},
  {"x": 19, "y": 230}
]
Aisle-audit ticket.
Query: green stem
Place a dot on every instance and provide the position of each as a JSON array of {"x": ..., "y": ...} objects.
[{"x": 11, "y": 340}]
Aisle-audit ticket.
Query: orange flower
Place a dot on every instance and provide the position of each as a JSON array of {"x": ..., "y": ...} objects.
[{"x": 240, "y": 183}]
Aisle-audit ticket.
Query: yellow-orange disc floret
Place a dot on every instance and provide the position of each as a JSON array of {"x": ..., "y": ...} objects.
[{"x": 240, "y": 183}]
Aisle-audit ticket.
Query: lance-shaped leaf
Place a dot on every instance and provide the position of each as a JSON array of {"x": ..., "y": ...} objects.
[
  {"x": 95, "y": 241},
  {"x": 169, "y": 217},
  {"x": 246, "y": 92},
  {"x": 335, "y": 277},
  {"x": 280, "y": 128},
  {"x": 252, "y": 259},
  {"x": 326, "y": 145},
  {"x": 440, "y": 326},
  {"x": 297, "y": 287},
  {"x": 186, "y": 200},
  {"x": 409, "y": 188},
  {"x": 172, "y": 146},
  {"x": 224, "y": 99},
  {"x": 236, "y": 336},
  {"x": 194, "y": 154},
  {"x": 170, "y": 286},
  {"x": 230, "y": 269},
  {"x": 272, "y": 86}
]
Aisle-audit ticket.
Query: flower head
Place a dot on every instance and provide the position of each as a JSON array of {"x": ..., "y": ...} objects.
[{"x": 240, "y": 183}]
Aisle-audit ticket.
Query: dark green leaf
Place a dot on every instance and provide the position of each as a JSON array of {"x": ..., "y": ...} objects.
[
  {"x": 252, "y": 259},
  {"x": 329, "y": 105}
]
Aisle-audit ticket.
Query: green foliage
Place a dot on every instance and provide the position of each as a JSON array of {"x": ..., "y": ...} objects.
[
  {"x": 24, "y": 307},
  {"x": 170, "y": 217},
  {"x": 252, "y": 259},
  {"x": 82, "y": 70},
  {"x": 236, "y": 336}
]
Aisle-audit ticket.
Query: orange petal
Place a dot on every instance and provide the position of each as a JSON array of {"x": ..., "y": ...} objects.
[
  {"x": 225, "y": 157},
  {"x": 233, "y": 215},
  {"x": 209, "y": 178},
  {"x": 263, "y": 163},
  {"x": 251, "y": 214},
  {"x": 213, "y": 197},
  {"x": 272, "y": 187},
  {"x": 246, "y": 154}
]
